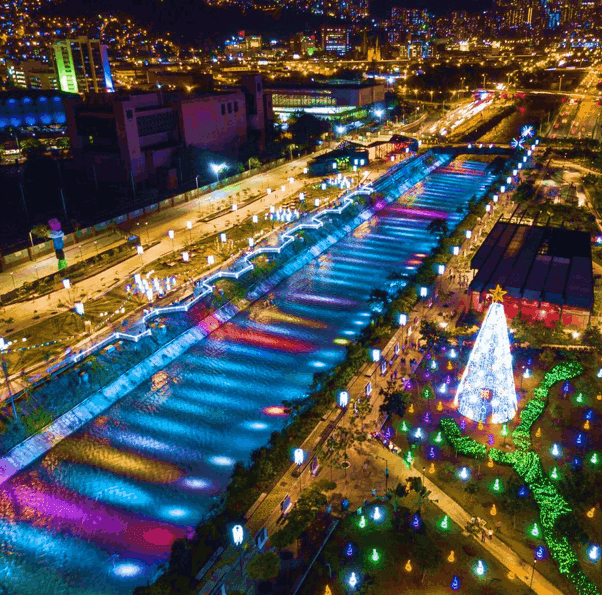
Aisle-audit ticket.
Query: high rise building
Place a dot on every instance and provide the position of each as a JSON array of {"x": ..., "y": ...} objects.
[
  {"x": 31, "y": 74},
  {"x": 335, "y": 39},
  {"x": 82, "y": 65}
]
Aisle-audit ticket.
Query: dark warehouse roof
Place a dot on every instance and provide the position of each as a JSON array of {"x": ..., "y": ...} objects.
[{"x": 536, "y": 263}]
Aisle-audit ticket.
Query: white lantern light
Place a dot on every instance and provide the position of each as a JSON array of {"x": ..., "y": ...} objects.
[
  {"x": 223, "y": 237},
  {"x": 185, "y": 256},
  {"x": 237, "y": 534},
  {"x": 375, "y": 355},
  {"x": 343, "y": 399},
  {"x": 139, "y": 249},
  {"x": 171, "y": 234},
  {"x": 210, "y": 259},
  {"x": 299, "y": 456},
  {"x": 66, "y": 283}
]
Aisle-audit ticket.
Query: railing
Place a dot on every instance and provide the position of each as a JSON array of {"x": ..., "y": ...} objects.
[{"x": 205, "y": 286}]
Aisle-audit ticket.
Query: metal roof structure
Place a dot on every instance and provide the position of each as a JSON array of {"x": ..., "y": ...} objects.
[{"x": 546, "y": 264}]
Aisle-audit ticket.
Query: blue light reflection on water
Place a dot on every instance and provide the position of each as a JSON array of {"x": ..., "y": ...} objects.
[{"x": 166, "y": 453}]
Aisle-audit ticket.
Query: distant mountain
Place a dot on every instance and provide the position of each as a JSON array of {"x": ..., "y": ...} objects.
[{"x": 193, "y": 22}]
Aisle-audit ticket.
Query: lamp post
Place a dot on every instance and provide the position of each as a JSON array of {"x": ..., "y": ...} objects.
[
  {"x": 171, "y": 235},
  {"x": 386, "y": 472},
  {"x": 532, "y": 574},
  {"x": 238, "y": 538},
  {"x": 79, "y": 309},
  {"x": 217, "y": 168},
  {"x": 189, "y": 226},
  {"x": 299, "y": 462},
  {"x": 5, "y": 370}
]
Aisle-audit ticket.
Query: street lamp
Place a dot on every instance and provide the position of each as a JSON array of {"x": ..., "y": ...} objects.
[
  {"x": 3, "y": 346},
  {"x": 533, "y": 573},
  {"x": 238, "y": 538},
  {"x": 299, "y": 461},
  {"x": 171, "y": 235},
  {"x": 386, "y": 472},
  {"x": 217, "y": 168}
]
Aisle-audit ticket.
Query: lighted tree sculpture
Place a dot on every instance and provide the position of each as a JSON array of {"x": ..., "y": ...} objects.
[{"x": 486, "y": 391}]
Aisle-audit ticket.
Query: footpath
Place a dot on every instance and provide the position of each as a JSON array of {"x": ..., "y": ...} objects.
[{"x": 368, "y": 462}]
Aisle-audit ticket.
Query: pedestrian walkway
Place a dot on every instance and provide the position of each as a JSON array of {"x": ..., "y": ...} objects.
[{"x": 499, "y": 550}]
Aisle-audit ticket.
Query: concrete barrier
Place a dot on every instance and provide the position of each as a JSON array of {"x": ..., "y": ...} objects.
[{"x": 135, "y": 214}]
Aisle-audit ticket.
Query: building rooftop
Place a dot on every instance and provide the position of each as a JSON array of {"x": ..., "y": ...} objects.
[
  {"x": 332, "y": 84},
  {"x": 536, "y": 263}
]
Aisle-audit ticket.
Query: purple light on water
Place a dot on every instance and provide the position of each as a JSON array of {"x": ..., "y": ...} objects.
[
  {"x": 490, "y": 440},
  {"x": 431, "y": 454},
  {"x": 540, "y": 552},
  {"x": 196, "y": 483},
  {"x": 427, "y": 417},
  {"x": 462, "y": 424},
  {"x": 416, "y": 521}
]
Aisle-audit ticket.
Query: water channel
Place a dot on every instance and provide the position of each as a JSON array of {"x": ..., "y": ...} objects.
[{"x": 99, "y": 512}]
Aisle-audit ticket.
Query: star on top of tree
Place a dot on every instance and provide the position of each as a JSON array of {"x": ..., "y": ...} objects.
[{"x": 498, "y": 293}]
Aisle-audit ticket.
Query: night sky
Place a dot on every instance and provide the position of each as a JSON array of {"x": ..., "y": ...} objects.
[{"x": 193, "y": 20}]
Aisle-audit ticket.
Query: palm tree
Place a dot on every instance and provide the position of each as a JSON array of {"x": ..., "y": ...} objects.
[{"x": 438, "y": 226}]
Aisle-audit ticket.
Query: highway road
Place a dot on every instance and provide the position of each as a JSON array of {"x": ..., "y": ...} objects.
[{"x": 580, "y": 117}]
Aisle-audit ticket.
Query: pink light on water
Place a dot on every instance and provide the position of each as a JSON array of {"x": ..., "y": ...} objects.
[
  {"x": 59, "y": 509},
  {"x": 275, "y": 411}
]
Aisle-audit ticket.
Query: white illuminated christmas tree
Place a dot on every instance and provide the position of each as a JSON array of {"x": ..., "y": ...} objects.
[{"x": 486, "y": 391}]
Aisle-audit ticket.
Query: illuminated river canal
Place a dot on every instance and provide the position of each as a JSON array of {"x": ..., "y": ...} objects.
[{"x": 99, "y": 512}]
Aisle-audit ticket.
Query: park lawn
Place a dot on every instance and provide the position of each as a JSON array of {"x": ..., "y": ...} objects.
[
  {"x": 563, "y": 426},
  {"x": 395, "y": 549}
]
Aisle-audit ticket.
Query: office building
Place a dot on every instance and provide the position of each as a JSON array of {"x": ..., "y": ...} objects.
[
  {"x": 31, "y": 74},
  {"x": 335, "y": 39},
  {"x": 340, "y": 101},
  {"x": 130, "y": 138},
  {"x": 82, "y": 65}
]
